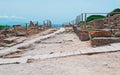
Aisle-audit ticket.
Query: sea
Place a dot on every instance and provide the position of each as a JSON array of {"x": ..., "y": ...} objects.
[{"x": 53, "y": 25}]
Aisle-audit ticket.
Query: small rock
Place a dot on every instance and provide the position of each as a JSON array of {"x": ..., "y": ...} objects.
[
  {"x": 24, "y": 47},
  {"x": 37, "y": 41},
  {"x": 117, "y": 34},
  {"x": 51, "y": 52}
]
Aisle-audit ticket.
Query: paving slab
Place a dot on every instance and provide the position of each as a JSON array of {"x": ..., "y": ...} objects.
[
  {"x": 56, "y": 54},
  {"x": 63, "y": 54},
  {"x": 117, "y": 46},
  {"x": 85, "y": 51},
  {"x": 102, "y": 49},
  {"x": 77, "y": 52},
  {"x": 70, "y": 53},
  {"x": 46, "y": 56}
]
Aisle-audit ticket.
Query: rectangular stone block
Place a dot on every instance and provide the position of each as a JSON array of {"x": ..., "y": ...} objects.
[
  {"x": 84, "y": 36},
  {"x": 100, "y": 41},
  {"x": 101, "y": 33},
  {"x": 98, "y": 24}
]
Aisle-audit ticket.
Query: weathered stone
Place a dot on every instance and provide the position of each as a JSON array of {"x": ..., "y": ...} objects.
[
  {"x": 76, "y": 29},
  {"x": 99, "y": 41},
  {"x": 2, "y": 36},
  {"x": 117, "y": 34},
  {"x": 9, "y": 45},
  {"x": 109, "y": 22},
  {"x": 98, "y": 24},
  {"x": 17, "y": 27},
  {"x": 100, "y": 33},
  {"x": 2, "y": 44},
  {"x": 20, "y": 40},
  {"x": 84, "y": 36},
  {"x": 24, "y": 47},
  {"x": 10, "y": 40},
  {"x": 19, "y": 30},
  {"x": 18, "y": 33},
  {"x": 1, "y": 48}
]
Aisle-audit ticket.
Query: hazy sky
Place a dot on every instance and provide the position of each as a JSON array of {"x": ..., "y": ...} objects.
[{"x": 58, "y": 11}]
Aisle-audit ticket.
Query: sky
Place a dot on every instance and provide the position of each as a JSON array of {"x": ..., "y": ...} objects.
[{"x": 58, "y": 11}]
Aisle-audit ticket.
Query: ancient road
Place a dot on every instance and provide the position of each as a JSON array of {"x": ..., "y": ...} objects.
[
  {"x": 27, "y": 43},
  {"x": 103, "y": 49}
]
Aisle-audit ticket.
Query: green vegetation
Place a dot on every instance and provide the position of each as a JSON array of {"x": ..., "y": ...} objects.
[
  {"x": 93, "y": 17},
  {"x": 115, "y": 11},
  {"x": 4, "y": 26}
]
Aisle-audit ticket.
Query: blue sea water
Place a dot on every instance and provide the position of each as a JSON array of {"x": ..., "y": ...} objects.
[
  {"x": 56, "y": 25},
  {"x": 53, "y": 25}
]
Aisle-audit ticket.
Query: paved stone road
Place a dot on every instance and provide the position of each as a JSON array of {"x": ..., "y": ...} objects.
[{"x": 103, "y": 49}]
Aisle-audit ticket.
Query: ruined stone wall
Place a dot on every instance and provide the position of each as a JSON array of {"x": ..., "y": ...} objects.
[
  {"x": 106, "y": 30},
  {"x": 112, "y": 22}
]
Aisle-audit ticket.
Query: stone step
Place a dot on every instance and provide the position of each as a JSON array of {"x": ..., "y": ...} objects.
[{"x": 100, "y": 41}]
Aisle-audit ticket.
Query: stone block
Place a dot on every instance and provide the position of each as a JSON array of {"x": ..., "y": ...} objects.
[
  {"x": 117, "y": 34},
  {"x": 18, "y": 33},
  {"x": 99, "y": 41},
  {"x": 98, "y": 24},
  {"x": 10, "y": 40},
  {"x": 100, "y": 33},
  {"x": 84, "y": 36}
]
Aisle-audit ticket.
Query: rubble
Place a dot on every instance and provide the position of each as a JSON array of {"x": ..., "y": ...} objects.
[{"x": 10, "y": 40}]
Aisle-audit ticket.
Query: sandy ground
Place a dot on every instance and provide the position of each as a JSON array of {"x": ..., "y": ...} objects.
[{"x": 99, "y": 64}]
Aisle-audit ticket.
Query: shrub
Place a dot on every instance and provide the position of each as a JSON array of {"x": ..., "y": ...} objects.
[
  {"x": 93, "y": 17},
  {"x": 4, "y": 26},
  {"x": 115, "y": 11}
]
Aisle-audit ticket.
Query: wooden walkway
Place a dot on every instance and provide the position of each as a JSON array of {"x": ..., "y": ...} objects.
[{"x": 103, "y": 49}]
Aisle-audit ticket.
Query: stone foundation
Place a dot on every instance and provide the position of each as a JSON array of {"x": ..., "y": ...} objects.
[
  {"x": 100, "y": 34},
  {"x": 100, "y": 41}
]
